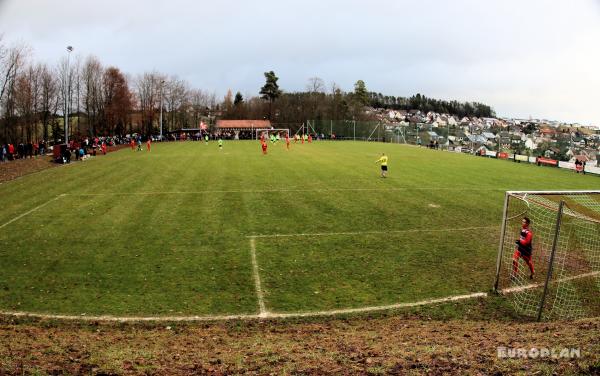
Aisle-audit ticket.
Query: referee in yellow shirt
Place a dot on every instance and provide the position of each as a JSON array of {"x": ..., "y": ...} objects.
[{"x": 383, "y": 160}]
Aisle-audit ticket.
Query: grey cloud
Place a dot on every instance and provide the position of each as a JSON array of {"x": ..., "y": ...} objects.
[{"x": 464, "y": 49}]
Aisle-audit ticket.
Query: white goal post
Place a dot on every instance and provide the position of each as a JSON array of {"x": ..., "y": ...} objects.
[
  {"x": 268, "y": 132},
  {"x": 565, "y": 253}
]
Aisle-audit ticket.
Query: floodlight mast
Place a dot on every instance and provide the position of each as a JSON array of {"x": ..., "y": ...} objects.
[
  {"x": 68, "y": 95},
  {"x": 162, "y": 82}
]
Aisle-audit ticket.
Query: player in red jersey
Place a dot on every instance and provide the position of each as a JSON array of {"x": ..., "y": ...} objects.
[
  {"x": 264, "y": 147},
  {"x": 132, "y": 143},
  {"x": 287, "y": 141},
  {"x": 104, "y": 148},
  {"x": 148, "y": 143},
  {"x": 524, "y": 248}
]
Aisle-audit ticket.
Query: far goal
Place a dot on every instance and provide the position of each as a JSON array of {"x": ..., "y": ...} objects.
[
  {"x": 565, "y": 254},
  {"x": 267, "y": 132}
]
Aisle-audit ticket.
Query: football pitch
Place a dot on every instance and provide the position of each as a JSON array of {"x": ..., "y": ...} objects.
[{"x": 191, "y": 230}]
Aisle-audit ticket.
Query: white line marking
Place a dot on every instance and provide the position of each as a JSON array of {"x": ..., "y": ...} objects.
[
  {"x": 32, "y": 210},
  {"x": 259, "y": 291},
  {"x": 266, "y": 315},
  {"x": 368, "y": 232},
  {"x": 536, "y": 285},
  {"x": 378, "y": 308},
  {"x": 289, "y": 190}
]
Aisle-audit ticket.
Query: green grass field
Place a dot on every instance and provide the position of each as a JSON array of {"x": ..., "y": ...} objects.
[{"x": 172, "y": 232}]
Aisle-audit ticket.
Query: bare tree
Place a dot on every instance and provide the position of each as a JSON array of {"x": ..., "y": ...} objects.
[
  {"x": 316, "y": 88},
  {"x": 48, "y": 98},
  {"x": 117, "y": 101},
  {"x": 315, "y": 85},
  {"x": 148, "y": 88},
  {"x": 199, "y": 105},
  {"x": 93, "y": 101},
  {"x": 175, "y": 97},
  {"x": 11, "y": 62},
  {"x": 27, "y": 102},
  {"x": 76, "y": 79}
]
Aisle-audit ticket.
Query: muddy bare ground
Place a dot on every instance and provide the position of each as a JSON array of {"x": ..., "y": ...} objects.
[
  {"x": 14, "y": 169},
  {"x": 20, "y": 167},
  {"x": 366, "y": 345}
]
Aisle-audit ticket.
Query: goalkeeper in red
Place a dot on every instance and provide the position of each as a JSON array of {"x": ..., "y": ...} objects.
[{"x": 524, "y": 248}]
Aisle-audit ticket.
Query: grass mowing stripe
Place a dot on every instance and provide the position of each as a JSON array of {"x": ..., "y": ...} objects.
[
  {"x": 292, "y": 190},
  {"x": 368, "y": 232}
]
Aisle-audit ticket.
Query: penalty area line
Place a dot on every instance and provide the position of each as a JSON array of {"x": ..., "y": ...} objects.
[
  {"x": 265, "y": 315},
  {"x": 379, "y": 308},
  {"x": 368, "y": 232},
  {"x": 32, "y": 210}
]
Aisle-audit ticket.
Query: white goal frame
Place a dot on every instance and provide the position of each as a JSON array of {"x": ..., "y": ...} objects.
[
  {"x": 269, "y": 131},
  {"x": 560, "y": 212}
]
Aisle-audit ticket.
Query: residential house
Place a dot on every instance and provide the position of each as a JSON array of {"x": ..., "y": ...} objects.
[{"x": 530, "y": 143}]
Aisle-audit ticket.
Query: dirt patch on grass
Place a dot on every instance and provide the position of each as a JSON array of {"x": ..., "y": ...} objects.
[
  {"x": 366, "y": 345},
  {"x": 14, "y": 169},
  {"x": 20, "y": 167}
]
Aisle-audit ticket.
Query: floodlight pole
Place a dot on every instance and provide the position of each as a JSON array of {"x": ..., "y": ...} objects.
[
  {"x": 68, "y": 96},
  {"x": 161, "y": 106}
]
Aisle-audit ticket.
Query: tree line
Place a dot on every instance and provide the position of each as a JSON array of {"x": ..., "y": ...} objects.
[
  {"x": 100, "y": 100},
  {"x": 103, "y": 101},
  {"x": 317, "y": 102}
]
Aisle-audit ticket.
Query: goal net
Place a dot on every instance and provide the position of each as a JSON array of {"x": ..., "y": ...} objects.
[
  {"x": 565, "y": 254},
  {"x": 266, "y": 133}
]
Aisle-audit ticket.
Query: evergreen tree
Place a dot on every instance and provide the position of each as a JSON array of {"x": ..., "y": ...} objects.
[
  {"x": 270, "y": 91},
  {"x": 238, "y": 99},
  {"x": 360, "y": 93}
]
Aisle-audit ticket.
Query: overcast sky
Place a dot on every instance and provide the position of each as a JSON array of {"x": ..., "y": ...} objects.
[{"x": 525, "y": 58}]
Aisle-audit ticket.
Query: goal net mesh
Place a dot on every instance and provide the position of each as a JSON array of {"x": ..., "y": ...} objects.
[
  {"x": 573, "y": 289},
  {"x": 266, "y": 133}
]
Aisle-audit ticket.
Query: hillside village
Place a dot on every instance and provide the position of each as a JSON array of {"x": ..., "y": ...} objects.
[{"x": 534, "y": 137}]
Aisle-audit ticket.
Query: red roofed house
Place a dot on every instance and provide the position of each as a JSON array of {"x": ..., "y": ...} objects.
[
  {"x": 241, "y": 129},
  {"x": 243, "y": 125}
]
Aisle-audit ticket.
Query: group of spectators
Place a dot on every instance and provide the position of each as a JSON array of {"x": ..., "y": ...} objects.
[
  {"x": 199, "y": 136},
  {"x": 11, "y": 152},
  {"x": 433, "y": 144},
  {"x": 78, "y": 148},
  {"x": 227, "y": 135},
  {"x": 89, "y": 146},
  {"x": 579, "y": 166}
]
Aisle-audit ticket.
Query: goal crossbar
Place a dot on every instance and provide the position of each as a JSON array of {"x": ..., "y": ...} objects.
[{"x": 270, "y": 131}]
